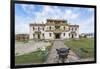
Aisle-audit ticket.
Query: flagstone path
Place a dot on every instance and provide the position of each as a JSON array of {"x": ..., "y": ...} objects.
[{"x": 52, "y": 58}]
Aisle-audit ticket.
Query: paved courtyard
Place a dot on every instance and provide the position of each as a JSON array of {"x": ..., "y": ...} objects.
[
  {"x": 22, "y": 48},
  {"x": 72, "y": 57},
  {"x": 52, "y": 58}
]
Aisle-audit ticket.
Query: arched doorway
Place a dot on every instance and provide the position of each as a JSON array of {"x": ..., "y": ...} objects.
[
  {"x": 38, "y": 36},
  {"x": 72, "y": 36},
  {"x": 57, "y": 35}
]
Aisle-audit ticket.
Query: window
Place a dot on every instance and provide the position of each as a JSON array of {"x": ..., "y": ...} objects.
[
  {"x": 50, "y": 34},
  {"x": 76, "y": 28},
  {"x": 33, "y": 28},
  {"x": 43, "y": 34},
  {"x": 33, "y": 35},
  {"x": 38, "y": 28},
  {"x": 57, "y": 27},
  {"x": 69, "y": 34},
  {"x": 64, "y": 34},
  {"x": 43, "y": 28},
  {"x": 64, "y": 27},
  {"x": 72, "y": 29},
  {"x": 69, "y": 28},
  {"x": 50, "y": 27}
]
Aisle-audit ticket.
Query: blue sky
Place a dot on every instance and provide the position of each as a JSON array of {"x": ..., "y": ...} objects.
[{"x": 28, "y": 13}]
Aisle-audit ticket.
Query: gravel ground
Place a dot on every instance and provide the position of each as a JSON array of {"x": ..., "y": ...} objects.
[{"x": 22, "y": 48}]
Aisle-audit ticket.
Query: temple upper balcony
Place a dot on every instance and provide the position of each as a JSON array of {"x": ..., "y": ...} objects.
[{"x": 57, "y": 29}]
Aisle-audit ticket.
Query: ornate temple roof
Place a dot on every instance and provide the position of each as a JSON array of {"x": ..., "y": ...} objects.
[
  {"x": 54, "y": 22},
  {"x": 37, "y": 24}
]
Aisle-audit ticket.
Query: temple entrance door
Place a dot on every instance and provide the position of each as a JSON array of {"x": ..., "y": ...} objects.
[
  {"x": 72, "y": 35},
  {"x": 57, "y": 35},
  {"x": 38, "y": 36}
]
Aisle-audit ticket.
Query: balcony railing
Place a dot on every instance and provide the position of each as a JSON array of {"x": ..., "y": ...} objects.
[
  {"x": 38, "y": 31},
  {"x": 57, "y": 30}
]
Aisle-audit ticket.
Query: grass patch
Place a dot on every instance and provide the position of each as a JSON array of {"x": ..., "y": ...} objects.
[
  {"x": 34, "y": 57},
  {"x": 83, "y": 47}
]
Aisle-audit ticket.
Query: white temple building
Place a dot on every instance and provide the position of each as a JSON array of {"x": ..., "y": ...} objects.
[{"x": 53, "y": 29}]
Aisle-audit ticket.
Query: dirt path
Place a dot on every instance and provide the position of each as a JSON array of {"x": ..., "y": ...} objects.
[{"x": 52, "y": 58}]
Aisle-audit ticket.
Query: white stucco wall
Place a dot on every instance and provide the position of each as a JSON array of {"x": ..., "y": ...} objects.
[
  {"x": 31, "y": 33},
  {"x": 77, "y": 31},
  {"x": 66, "y": 35},
  {"x": 36, "y": 29},
  {"x": 47, "y": 35}
]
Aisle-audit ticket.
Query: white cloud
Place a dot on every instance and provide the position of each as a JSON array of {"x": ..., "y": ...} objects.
[
  {"x": 87, "y": 26},
  {"x": 28, "y": 8},
  {"x": 52, "y": 12},
  {"x": 21, "y": 28},
  {"x": 22, "y": 24},
  {"x": 55, "y": 13}
]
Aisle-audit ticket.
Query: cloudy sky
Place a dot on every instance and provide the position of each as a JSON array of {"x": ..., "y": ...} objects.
[{"x": 28, "y": 13}]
